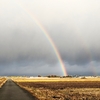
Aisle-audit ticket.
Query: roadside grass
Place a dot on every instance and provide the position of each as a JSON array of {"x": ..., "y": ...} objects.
[{"x": 2, "y": 81}]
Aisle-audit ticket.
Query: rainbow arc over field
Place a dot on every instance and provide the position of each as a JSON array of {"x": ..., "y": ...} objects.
[{"x": 45, "y": 32}]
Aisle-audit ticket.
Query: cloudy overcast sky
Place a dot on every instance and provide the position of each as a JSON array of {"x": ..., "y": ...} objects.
[{"x": 73, "y": 25}]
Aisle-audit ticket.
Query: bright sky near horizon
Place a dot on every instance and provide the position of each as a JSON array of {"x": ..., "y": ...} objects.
[{"x": 73, "y": 26}]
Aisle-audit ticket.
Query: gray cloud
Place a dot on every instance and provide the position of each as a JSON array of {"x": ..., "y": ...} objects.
[{"x": 72, "y": 25}]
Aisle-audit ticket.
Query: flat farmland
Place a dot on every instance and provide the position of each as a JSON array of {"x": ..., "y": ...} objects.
[{"x": 61, "y": 88}]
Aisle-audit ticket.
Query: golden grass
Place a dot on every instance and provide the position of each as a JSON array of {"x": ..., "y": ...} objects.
[
  {"x": 2, "y": 81},
  {"x": 53, "y": 79},
  {"x": 43, "y": 93}
]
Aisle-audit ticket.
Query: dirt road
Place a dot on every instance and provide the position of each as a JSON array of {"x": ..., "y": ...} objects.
[{"x": 10, "y": 91}]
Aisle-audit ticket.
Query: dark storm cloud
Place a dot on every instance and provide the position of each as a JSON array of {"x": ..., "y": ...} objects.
[{"x": 73, "y": 26}]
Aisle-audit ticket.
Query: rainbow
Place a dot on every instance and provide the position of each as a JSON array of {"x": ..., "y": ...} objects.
[{"x": 45, "y": 32}]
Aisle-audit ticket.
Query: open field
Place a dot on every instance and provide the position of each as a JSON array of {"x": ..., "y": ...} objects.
[
  {"x": 2, "y": 81},
  {"x": 46, "y": 79},
  {"x": 62, "y": 88}
]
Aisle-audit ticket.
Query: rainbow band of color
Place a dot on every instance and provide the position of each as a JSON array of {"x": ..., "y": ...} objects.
[{"x": 48, "y": 37}]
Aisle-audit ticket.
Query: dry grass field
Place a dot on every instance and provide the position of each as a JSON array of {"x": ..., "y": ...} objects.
[
  {"x": 2, "y": 81},
  {"x": 61, "y": 88}
]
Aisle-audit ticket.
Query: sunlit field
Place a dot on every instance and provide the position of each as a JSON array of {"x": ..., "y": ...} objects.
[
  {"x": 61, "y": 88},
  {"x": 2, "y": 81}
]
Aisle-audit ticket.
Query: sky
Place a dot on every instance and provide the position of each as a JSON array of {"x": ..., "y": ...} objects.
[{"x": 72, "y": 25}]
